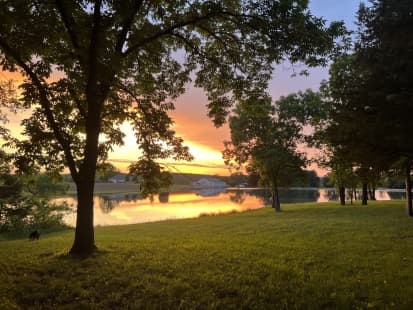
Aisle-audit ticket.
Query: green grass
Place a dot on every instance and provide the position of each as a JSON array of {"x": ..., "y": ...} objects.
[{"x": 310, "y": 256}]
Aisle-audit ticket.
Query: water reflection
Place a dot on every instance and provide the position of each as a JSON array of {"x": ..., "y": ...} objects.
[
  {"x": 326, "y": 194},
  {"x": 111, "y": 210},
  {"x": 238, "y": 197},
  {"x": 117, "y": 209},
  {"x": 206, "y": 192},
  {"x": 107, "y": 205}
]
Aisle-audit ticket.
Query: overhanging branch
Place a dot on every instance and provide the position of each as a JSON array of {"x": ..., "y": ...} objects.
[
  {"x": 45, "y": 104},
  {"x": 70, "y": 25},
  {"x": 169, "y": 30},
  {"x": 127, "y": 23}
]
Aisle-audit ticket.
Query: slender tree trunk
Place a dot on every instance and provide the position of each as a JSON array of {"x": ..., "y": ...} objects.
[
  {"x": 275, "y": 198},
  {"x": 342, "y": 194},
  {"x": 408, "y": 189},
  {"x": 372, "y": 192},
  {"x": 351, "y": 196},
  {"x": 364, "y": 194}
]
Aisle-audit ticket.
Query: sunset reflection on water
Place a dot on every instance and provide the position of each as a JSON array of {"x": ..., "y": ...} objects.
[
  {"x": 120, "y": 209},
  {"x": 128, "y": 209}
]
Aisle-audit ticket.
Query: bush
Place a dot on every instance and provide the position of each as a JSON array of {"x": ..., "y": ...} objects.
[{"x": 31, "y": 213}]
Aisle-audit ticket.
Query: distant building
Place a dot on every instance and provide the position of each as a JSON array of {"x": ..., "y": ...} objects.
[
  {"x": 208, "y": 183},
  {"x": 118, "y": 178}
]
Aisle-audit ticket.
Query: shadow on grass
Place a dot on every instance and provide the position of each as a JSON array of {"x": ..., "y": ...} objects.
[{"x": 107, "y": 280}]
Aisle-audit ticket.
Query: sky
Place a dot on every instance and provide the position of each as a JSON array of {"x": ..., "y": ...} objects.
[
  {"x": 190, "y": 114},
  {"x": 206, "y": 141}
]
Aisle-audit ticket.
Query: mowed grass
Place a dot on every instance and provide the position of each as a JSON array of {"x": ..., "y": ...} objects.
[{"x": 310, "y": 256}]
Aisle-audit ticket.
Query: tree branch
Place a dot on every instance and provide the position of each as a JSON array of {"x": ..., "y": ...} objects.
[
  {"x": 79, "y": 106},
  {"x": 69, "y": 23},
  {"x": 128, "y": 91},
  {"x": 45, "y": 104},
  {"x": 127, "y": 23},
  {"x": 223, "y": 43},
  {"x": 169, "y": 30},
  {"x": 93, "y": 47},
  {"x": 194, "y": 48}
]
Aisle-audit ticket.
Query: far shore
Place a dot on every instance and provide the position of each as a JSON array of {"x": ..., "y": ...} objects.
[
  {"x": 123, "y": 188},
  {"x": 130, "y": 187}
]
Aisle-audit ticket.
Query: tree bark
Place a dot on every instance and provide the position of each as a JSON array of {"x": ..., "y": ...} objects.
[
  {"x": 372, "y": 192},
  {"x": 364, "y": 194},
  {"x": 84, "y": 243},
  {"x": 409, "y": 208},
  {"x": 342, "y": 194},
  {"x": 275, "y": 198}
]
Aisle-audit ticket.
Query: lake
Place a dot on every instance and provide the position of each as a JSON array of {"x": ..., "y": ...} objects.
[{"x": 120, "y": 209}]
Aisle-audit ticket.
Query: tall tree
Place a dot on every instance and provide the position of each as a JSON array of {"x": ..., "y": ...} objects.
[
  {"x": 347, "y": 126},
  {"x": 385, "y": 52},
  {"x": 370, "y": 93},
  {"x": 265, "y": 137},
  {"x": 115, "y": 62}
]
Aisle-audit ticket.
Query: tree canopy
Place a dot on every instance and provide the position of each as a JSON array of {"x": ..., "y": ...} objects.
[
  {"x": 265, "y": 138},
  {"x": 367, "y": 100},
  {"x": 90, "y": 66}
]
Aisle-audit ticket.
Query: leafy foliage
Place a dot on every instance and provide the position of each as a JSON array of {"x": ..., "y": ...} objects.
[
  {"x": 105, "y": 171},
  {"x": 117, "y": 62},
  {"x": 44, "y": 184},
  {"x": 122, "y": 55},
  {"x": 20, "y": 211},
  {"x": 265, "y": 137},
  {"x": 368, "y": 97},
  {"x": 30, "y": 213}
]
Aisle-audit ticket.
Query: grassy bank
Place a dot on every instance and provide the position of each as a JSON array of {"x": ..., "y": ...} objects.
[{"x": 308, "y": 257}]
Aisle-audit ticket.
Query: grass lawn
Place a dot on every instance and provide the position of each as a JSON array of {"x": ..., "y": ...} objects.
[{"x": 310, "y": 256}]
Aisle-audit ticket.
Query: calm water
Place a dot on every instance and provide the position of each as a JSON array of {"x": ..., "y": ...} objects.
[{"x": 119, "y": 209}]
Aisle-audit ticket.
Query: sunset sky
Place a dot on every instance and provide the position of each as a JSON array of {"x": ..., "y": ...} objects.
[
  {"x": 192, "y": 124},
  {"x": 206, "y": 141}
]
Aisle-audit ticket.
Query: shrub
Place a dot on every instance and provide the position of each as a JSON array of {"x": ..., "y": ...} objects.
[{"x": 30, "y": 213}]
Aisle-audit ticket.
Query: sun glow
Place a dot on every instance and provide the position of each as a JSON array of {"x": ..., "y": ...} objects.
[{"x": 206, "y": 159}]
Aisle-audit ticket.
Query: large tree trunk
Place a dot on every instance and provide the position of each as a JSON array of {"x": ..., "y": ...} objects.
[
  {"x": 408, "y": 190},
  {"x": 275, "y": 198},
  {"x": 84, "y": 243},
  {"x": 364, "y": 194},
  {"x": 342, "y": 195}
]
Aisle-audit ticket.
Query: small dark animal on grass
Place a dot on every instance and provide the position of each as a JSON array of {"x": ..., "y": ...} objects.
[{"x": 34, "y": 235}]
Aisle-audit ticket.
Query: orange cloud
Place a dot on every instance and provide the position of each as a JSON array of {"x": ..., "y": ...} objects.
[{"x": 193, "y": 124}]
